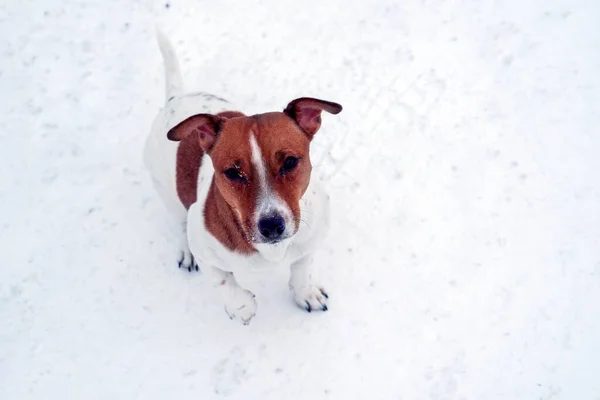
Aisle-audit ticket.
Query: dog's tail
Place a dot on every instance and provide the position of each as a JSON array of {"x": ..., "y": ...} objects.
[{"x": 173, "y": 78}]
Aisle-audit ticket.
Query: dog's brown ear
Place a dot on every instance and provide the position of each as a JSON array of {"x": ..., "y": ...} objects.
[
  {"x": 306, "y": 112},
  {"x": 205, "y": 126}
]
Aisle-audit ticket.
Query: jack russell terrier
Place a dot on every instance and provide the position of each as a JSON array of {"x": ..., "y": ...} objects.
[{"x": 240, "y": 187}]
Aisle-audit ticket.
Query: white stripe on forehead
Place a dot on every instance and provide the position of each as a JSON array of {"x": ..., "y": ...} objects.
[
  {"x": 268, "y": 202},
  {"x": 259, "y": 165}
]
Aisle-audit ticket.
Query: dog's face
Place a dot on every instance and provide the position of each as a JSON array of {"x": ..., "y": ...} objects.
[
  {"x": 262, "y": 169},
  {"x": 262, "y": 163}
]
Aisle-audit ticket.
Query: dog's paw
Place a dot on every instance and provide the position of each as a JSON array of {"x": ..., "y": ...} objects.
[
  {"x": 186, "y": 261},
  {"x": 311, "y": 298},
  {"x": 240, "y": 305}
]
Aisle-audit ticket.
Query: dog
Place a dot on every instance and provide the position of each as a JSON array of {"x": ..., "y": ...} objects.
[{"x": 240, "y": 187}]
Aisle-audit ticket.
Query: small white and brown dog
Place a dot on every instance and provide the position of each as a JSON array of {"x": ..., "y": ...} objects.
[{"x": 240, "y": 187}]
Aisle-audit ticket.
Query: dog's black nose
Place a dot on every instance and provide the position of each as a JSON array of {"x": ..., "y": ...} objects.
[{"x": 271, "y": 227}]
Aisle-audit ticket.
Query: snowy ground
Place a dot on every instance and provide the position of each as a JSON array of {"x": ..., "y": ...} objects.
[{"x": 464, "y": 258}]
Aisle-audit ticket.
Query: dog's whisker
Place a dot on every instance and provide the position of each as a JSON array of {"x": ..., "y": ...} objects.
[
  {"x": 306, "y": 223},
  {"x": 323, "y": 165}
]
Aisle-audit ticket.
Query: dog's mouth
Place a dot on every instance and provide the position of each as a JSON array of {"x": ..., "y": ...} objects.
[
  {"x": 275, "y": 242},
  {"x": 274, "y": 251},
  {"x": 272, "y": 242},
  {"x": 258, "y": 239}
]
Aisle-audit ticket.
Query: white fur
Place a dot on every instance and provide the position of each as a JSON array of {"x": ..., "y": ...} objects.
[
  {"x": 215, "y": 259},
  {"x": 259, "y": 165}
]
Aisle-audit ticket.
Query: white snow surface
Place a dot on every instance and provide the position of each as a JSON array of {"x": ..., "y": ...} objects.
[{"x": 464, "y": 256}]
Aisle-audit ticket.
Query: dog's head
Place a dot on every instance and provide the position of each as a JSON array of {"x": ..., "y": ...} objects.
[{"x": 262, "y": 164}]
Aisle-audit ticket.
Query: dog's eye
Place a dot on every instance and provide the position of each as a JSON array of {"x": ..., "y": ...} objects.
[
  {"x": 234, "y": 174},
  {"x": 288, "y": 165}
]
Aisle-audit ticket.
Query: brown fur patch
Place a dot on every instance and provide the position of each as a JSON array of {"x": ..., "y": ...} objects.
[
  {"x": 188, "y": 163},
  {"x": 221, "y": 222},
  {"x": 189, "y": 159}
]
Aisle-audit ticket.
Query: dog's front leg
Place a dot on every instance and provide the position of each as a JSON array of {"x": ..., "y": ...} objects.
[
  {"x": 186, "y": 259},
  {"x": 307, "y": 294},
  {"x": 240, "y": 303}
]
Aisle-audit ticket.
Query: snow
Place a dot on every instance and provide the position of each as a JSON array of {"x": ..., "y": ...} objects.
[{"x": 463, "y": 260}]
